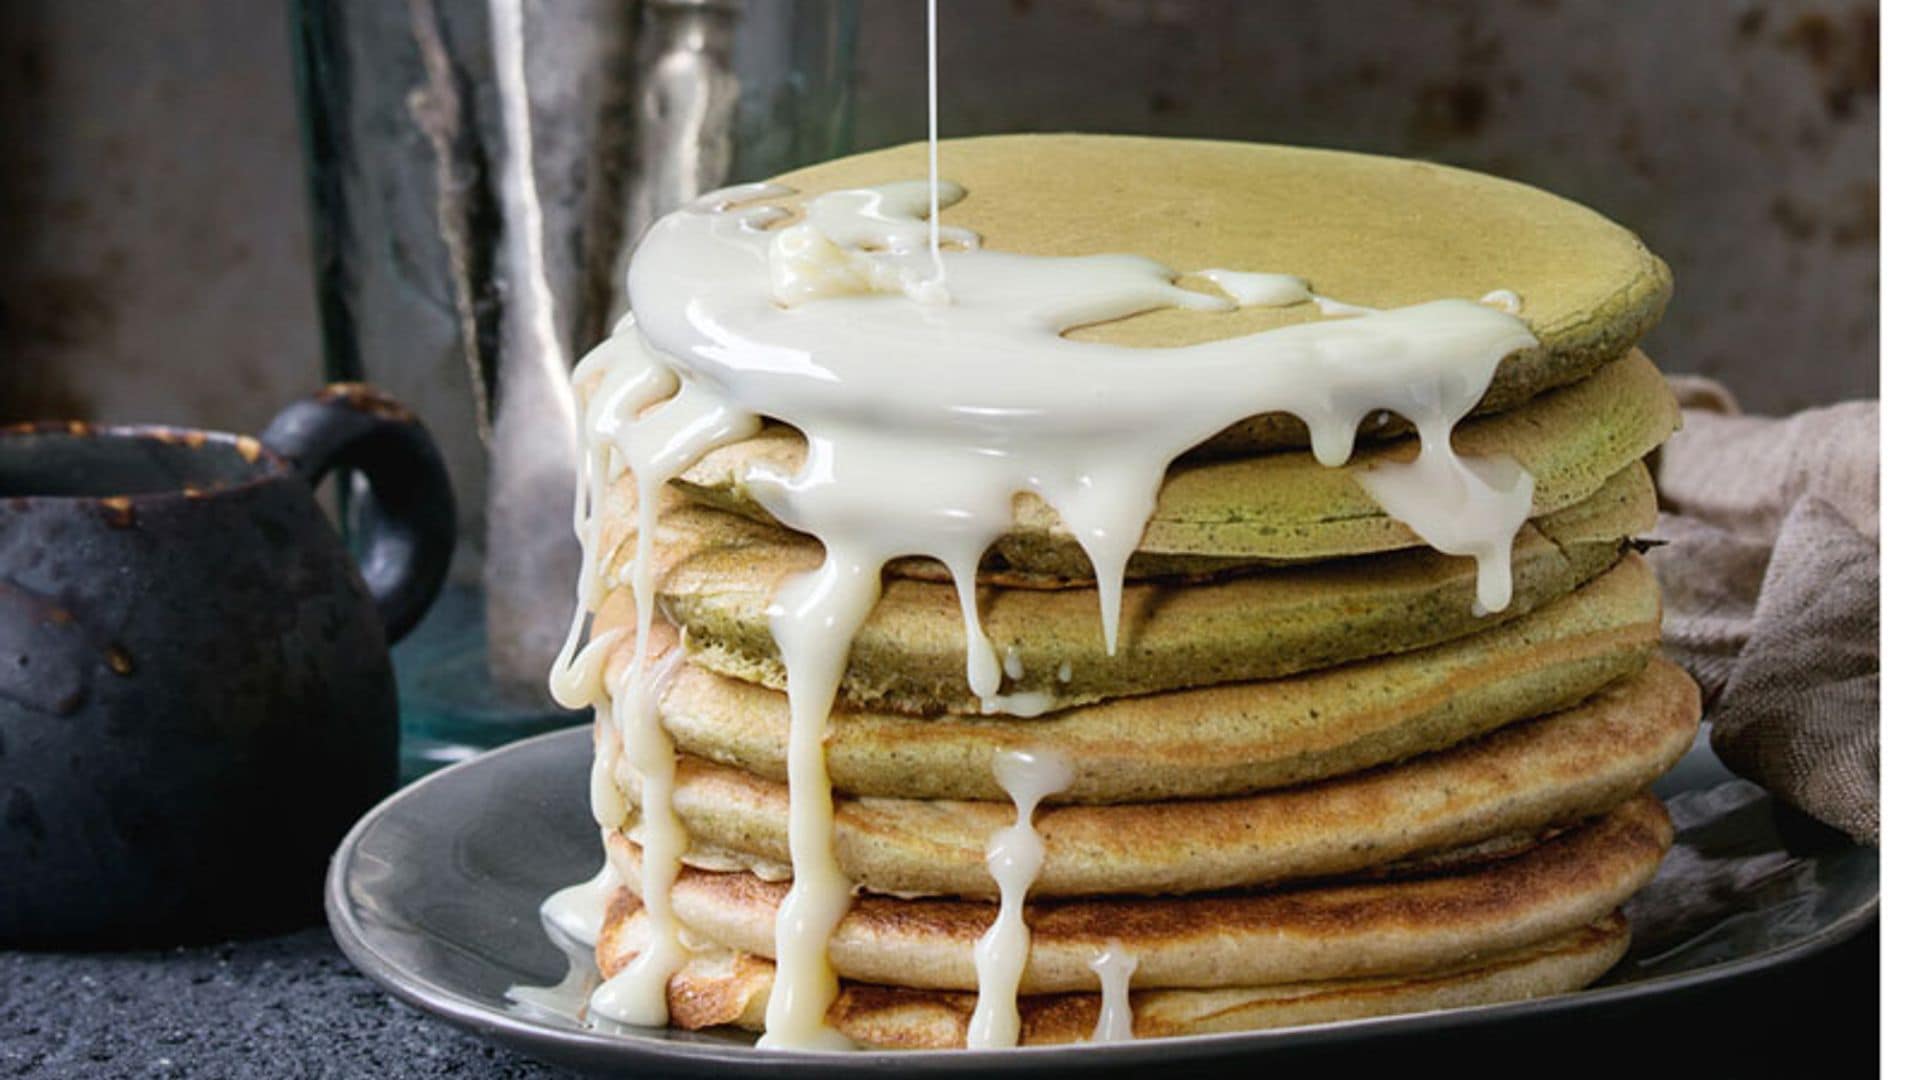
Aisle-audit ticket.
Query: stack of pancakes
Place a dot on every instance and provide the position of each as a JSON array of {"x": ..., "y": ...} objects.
[{"x": 1311, "y": 783}]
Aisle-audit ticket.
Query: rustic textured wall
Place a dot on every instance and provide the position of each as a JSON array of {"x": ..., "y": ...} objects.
[
  {"x": 156, "y": 263},
  {"x": 151, "y": 200},
  {"x": 1739, "y": 139}
]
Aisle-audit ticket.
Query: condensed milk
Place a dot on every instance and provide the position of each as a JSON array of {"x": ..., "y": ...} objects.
[
  {"x": 1014, "y": 857},
  {"x": 1115, "y": 967}
]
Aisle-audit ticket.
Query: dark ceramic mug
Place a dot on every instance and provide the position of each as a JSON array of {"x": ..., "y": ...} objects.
[{"x": 196, "y": 700}]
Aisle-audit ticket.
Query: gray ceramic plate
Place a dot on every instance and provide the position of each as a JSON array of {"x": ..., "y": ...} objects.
[{"x": 436, "y": 895}]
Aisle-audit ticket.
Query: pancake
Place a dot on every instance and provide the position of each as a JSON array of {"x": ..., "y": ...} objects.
[
  {"x": 731, "y": 988},
  {"x": 718, "y": 572},
  {"x": 1221, "y": 740},
  {"x": 1553, "y": 771},
  {"x": 1334, "y": 931},
  {"x": 1281, "y": 507},
  {"x": 1374, "y": 231}
]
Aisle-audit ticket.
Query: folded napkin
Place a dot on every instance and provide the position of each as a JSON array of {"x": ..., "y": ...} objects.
[{"x": 1771, "y": 574}]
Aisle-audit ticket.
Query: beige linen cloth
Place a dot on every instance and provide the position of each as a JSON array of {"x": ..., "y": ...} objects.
[{"x": 1771, "y": 574}]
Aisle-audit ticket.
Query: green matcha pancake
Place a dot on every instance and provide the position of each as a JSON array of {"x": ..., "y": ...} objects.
[
  {"x": 717, "y": 573},
  {"x": 1206, "y": 742},
  {"x": 1286, "y": 506},
  {"x": 1526, "y": 777},
  {"x": 1371, "y": 231}
]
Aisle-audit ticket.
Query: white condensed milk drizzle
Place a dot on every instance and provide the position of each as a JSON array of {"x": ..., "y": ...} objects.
[
  {"x": 925, "y": 411},
  {"x": 936, "y": 288},
  {"x": 1115, "y": 967},
  {"x": 1014, "y": 857},
  {"x": 638, "y": 994},
  {"x": 576, "y": 911},
  {"x": 683, "y": 423}
]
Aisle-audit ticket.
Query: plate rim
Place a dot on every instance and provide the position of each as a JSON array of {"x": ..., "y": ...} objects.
[{"x": 505, "y": 1027}]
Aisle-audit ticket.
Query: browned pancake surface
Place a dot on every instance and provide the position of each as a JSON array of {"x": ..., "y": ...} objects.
[
  {"x": 1551, "y": 771},
  {"x": 1221, "y": 939},
  {"x": 721, "y": 987}
]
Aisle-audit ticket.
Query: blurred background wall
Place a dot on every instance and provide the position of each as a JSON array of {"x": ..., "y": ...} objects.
[{"x": 156, "y": 266}]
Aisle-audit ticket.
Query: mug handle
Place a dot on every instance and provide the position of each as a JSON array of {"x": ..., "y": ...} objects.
[{"x": 409, "y": 536}]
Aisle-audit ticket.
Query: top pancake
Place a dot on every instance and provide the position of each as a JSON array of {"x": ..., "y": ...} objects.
[{"x": 1373, "y": 231}]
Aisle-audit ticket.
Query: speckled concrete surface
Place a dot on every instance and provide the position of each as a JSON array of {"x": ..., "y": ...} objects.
[
  {"x": 282, "y": 1007},
  {"x": 293, "y": 1007}
]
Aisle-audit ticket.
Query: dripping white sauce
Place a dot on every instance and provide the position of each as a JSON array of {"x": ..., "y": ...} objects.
[
  {"x": 935, "y": 290},
  {"x": 993, "y": 370},
  {"x": 1260, "y": 290},
  {"x": 813, "y": 618},
  {"x": 683, "y": 424},
  {"x": 608, "y": 802},
  {"x": 1459, "y": 507},
  {"x": 1015, "y": 855},
  {"x": 566, "y": 999},
  {"x": 577, "y": 910},
  {"x": 1022, "y": 703},
  {"x": 1115, "y": 967},
  {"x": 1329, "y": 306},
  {"x": 638, "y": 993},
  {"x": 1019, "y": 703},
  {"x": 1505, "y": 299}
]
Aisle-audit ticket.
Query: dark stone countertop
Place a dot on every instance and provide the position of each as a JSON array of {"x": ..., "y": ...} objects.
[
  {"x": 293, "y": 1007},
  {"x": 281, "y": 1007}
]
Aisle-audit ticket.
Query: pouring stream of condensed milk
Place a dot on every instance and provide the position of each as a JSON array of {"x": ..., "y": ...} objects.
[{"x": 931, "y": 388}]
